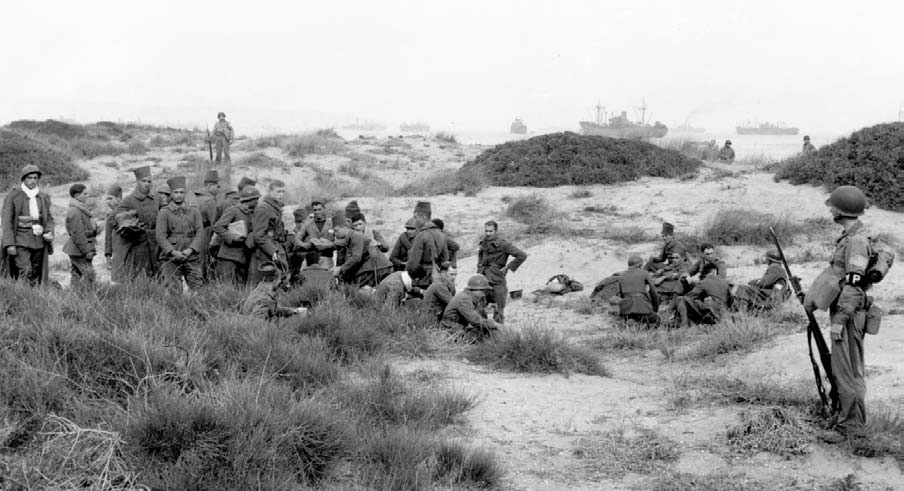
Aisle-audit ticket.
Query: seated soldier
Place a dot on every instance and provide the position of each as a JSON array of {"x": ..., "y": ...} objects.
[
  {"x": 440, "y": 292},
  {"x": 766, "y": 292},
  {"x": 262, "y": 301},
  {"x": 314, "y": 280},
  {"x": 639, "y": 300},
  {"x": 466, "y": 313},
  {"x": 395, "y": 288},
  {"x": 708, "y": 256},
  {"x": 668, "y": 278},
  {"x": 707, "y": 302}
]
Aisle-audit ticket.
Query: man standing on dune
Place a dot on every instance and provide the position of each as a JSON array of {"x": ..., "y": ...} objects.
[
  {"x": 28, "y": 229},
  {"x": 222, "y": 137},
  {"x": 135, "y": 252},
  {"x": 180, "y": 235},
  {"x": 209, "y": 208},
  {"x": 493, "y": 263},
  {"x": 428, "y": 248}
]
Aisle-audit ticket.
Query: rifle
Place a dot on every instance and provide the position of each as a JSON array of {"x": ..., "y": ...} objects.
[
  {"x": 831, "y": 403},
  {"x": 209, "y": 144}
]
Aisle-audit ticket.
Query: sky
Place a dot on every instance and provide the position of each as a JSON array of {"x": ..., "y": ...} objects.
[{"x": 826, "y": 67}]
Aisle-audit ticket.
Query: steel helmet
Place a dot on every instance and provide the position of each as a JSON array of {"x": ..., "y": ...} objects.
[
  {"x": 249, "y": 193},
  {"x": 848, "y": 201},
  {"x": 806, "y": 138},
  {"x": 30, "y": 169},
  {"x": 478, "y": 282},
  {"x": 772, "y": 255}
]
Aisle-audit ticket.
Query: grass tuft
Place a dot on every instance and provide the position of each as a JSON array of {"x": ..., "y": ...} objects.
[
  {"x": 618, "y": 452},
  {"x": 771, "y": 429},
  {"x": 533, "y": 350}
]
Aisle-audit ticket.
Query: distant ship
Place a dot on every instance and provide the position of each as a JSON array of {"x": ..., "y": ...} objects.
[
  {"x": 621, "y": 127},
  {"x": 414, "y": 127},
  {"x": 686, "y": 128},
  {"x": 766, "y": 129},
  {"x": 365, "y": 126},
  {"x": 518, "y": 127}
]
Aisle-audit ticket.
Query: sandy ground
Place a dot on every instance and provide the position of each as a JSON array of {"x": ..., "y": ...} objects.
[{"x": 534, "y": 422}]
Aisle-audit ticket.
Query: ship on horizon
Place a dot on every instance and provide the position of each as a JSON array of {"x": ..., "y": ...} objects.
[
  {"x": 766, "y": 129},
  {"x": 687, "y": 128},
  {"x": 518, "y": 127},
  {"x": 621, "y": 127},
  {"x": 414, "y": 127},
  {"x": 365, "y": 126}
]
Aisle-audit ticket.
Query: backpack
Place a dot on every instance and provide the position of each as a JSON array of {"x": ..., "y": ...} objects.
[
  {"x": 881, "y": 259},
  {"x": 561, "y": 284}
]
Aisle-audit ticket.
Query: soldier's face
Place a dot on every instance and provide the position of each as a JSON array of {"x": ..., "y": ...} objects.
[
  {"x": 144, "y": 185},
  {"x": 112, "y": 201},
  {"x": 213, "y": 188},
  {"x": 31, "y": 181},
  {"x": 317, "y": 210},
  {"x": 410, "y": 232},
  {"x": 178, "y": 196},
  {"x": 709, "y": 253},
  {"x": 278, "y": 193},
  {"x": 81, "y": 197},
  {"x": 251, "y": 204},
  {"x": 489, "y": 231},
  {"x": 358, "y": 225},
  {"x": 667, "y": 238}
]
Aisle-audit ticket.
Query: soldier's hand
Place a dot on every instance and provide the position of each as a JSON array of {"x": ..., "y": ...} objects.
[
  {"x": 336, "y": 270},
  {"x": 11, "y": 250},
  {"x": 836, "y": 331},
  {"x": 89, "y": 256},
  {"x": 187, "y": 252},
  {"x": 178, "y": 256}
]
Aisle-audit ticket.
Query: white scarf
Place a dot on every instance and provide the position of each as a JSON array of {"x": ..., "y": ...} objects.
[
  {"x": 406, "y": 280},
  {"x": 32, "y": 195}
]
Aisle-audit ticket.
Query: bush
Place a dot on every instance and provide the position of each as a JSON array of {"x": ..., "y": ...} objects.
[
  {"x": 536, "y": 350},
  {"x": 774, "y": 429},
  {"x": 619, "y": 452},
  {"x": 301, "y": 145},
  {"x": 260, "y": 159},
  {"x": 18, "y": 150},
  {"x": 448, "y": 181},
  {"x": 738, "y": 226},
  {"x": 60, "y": 129},
  {"x": 560, "y": 159},
  {"x": 871, "y": 159},
  {"x": 445, "y": 137},
  {"x": 534, "y": 211}
]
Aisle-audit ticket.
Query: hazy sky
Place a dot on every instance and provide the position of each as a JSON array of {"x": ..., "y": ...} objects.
[{"x": 459, "y": 64}]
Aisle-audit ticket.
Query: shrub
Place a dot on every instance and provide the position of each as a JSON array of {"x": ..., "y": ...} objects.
[
  {"x": 580, "y": 194},
  {"x": 871, "y": 159},
  {"x": 536, "y": 350},
  {"x": 137, "y": 147},
  {"x": 736, "y": 332},
  {"x": 327, "y": 133},
  {"x": 773, "y": 429},
  {"x": 619, "y": 452},
  {"x": 631, "y": 234},
  {"x": 66, "y": 131},
  {"x": 570, "y": 159},
  {"x": 18, "y": 150},
  {"x": 447, "y": 181},
  {"x": 260, "y": 159},
  {"x": 301, "y": 145},
  {"x": 445, "y": 137},
  {"x": 883, "y": 435},
  {"x": 738, "y": 226},
  {"x": 534, "y": 211},
  {"x": 460, "y": 465}
]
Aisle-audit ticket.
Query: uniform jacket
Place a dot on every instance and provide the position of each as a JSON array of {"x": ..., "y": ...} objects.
[
  {"x": 17, "y": 222},
  {"x": 673, "y": 247},
  {"x": 234, "y": 248},
  {"x": 697, "y": 267},
  {"x": 852, "y": 253},
  {"x": 262, "y": 302},
  {"x": 223, "y": 129},
  {"x": 453, "y": 248},
  {"x": 438, "y": 296},
  {"x": 269, "y": 231},
  {"x": 715, "y": 288},
  {"x": 312, "y": 229},
  {"x": 207, "y": 205},
  {"x": 355, "y": 253},
  {"x": 638, "y": 292},
  {"x": 82, "y": 230},
  {"x": 493, "y": 256},
  {"x": 428, "y": 251},
  {"x": 399, "y": 255},
  {"x": 774, "y": 274},
  {"x": 727, "y": 153},
  {"x": 179, "y": 228},
  {"x": 392, "y": 289},
  {"x": 146, "y": 206},
  {"x": 109, "y": 228},
  {"x": 462, "y": 312}
]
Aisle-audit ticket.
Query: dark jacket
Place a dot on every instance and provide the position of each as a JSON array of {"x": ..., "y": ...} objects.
[
  {"x": 17, "y": 222},
  {"x": 207, "y": 205},
  {"x": 638, "y": 293},
  {"x": 463, "y": 311},
  {"x": 268, "y": 234},
  {"x": 428, "y": 251},
  {"x": 109, "y": 229},
  {"x": 179, "y": 228},
  {"x": 399, "y": 255},
  {"x": 312, "y": 229},
  {"x": 355, "y": 253},
  {"x": 81, "y": 229},
  {"x": 453, "y": 249},
  {"x": 715, "y": 288},
  {"x": 142, "y": 244},
  {"x": 697, "y": 267},
  {"x": 438, "y": 296},
  {"x": 493, "y": 256},
  {"x": 235, "y": 248}
]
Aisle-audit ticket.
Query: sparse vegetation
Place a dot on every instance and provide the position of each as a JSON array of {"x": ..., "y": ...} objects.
[
  {"x": 772, "y": 429},
  {"x": 580, "y": 194},
  {"x": 445, "y": 137},
  {"x": 535, "y": 349},
  {"x": 871, "y": 159},
  {"x": 312, "y": 143},
  {"x": 618, "y": 452},
  {"x": 537, "y": 213},
  {"x": 18, "y": 150},
  {"x": 631, "y": 234},
  {"x": 570, "y": 159},
  {"x": 466, "y": 181}
]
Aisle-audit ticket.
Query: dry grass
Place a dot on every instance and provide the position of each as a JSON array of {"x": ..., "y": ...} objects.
[
  {"x": 536, "y": 350},
  {"x": 618, "y": 452},
  {"x": 771, "y": 429}
]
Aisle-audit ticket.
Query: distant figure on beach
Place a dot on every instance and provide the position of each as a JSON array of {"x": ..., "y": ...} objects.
[
  {"x": 222, "y": 137},
  {"x": 726, "y": 154},
  {"x": 711, "y": 151},
  {"x": 808, "y": 147}
]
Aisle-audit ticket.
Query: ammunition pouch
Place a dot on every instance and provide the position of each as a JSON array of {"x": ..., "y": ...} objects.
[{"x": 873, "y": 317}]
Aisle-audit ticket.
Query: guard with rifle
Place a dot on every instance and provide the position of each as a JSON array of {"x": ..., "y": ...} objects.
[{"x": 222, "y": 137}]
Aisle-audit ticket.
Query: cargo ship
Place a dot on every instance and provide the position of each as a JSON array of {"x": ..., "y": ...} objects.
[
  {"x": 414, "y": 127},
  {"x": 621, "y": 127},
  {"x": 364, "y": 126},
  {"x": 766, "y": 129},
  {"x": 518, "y": 127}
]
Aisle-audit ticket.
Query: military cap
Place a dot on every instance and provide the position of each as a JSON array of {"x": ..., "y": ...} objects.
[
  {"x": 300, "y": 214},
  {"x": 439, "y": 223},
  {"x": 478, "y": 282},
  {"x": 246, "y": 181},
  {"x": 163, "y": 189},
  {"x": 230, "y": 194},
  {"x": 221, "y": 113},
  {"x": 339, "y": 221},
  {"x": 728, "y": 142},
  {"x": 352, "y": 209},
  {"x": 668, "y": 228},
  {"x": 175, "y": 183},
  {"x": 411, "y": 223},
  {"x": 115, "y": 190},
  {"x": 635, "y": 261},
  {"x": 423, "y": 208},
  {"x": 142, "y": 172},
  {"x": 250, "y": 193},
  {"x": 212, "y": 177},
  {"x": 31, "y": 169}
]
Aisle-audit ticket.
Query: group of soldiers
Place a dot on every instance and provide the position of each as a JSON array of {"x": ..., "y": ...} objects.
[
  {"x": 711, "y": 152},
  {"x": 239, "y": 237},
  {"x": 690, "y": 291}
]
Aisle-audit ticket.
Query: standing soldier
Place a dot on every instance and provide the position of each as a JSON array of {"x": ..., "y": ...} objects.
[
  {"x": 135, "y": 249},
  {"x": 180, "y": 236},
  {"x": 114, "y": 196},
  {"x": 316, "y": 234},
  {"x": 493, "y": 263},
  {"x": 451, "y": 246},
  {"x": 222, "y": 137},
  {"x": 207, "y": 205},
  {"x": 268, "y": 231},
  {"x": 82, "y": 230},
  {"x": 841, "y": 289},
  {"x": 399, "y": 255},
  {"x": 808, "y": 147},
  {"x": 235, "y": 247},
  {"x": 28, "y": 228},
  {"x": 726, "y": 154},
  {"x": 428, "y": 248}
]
